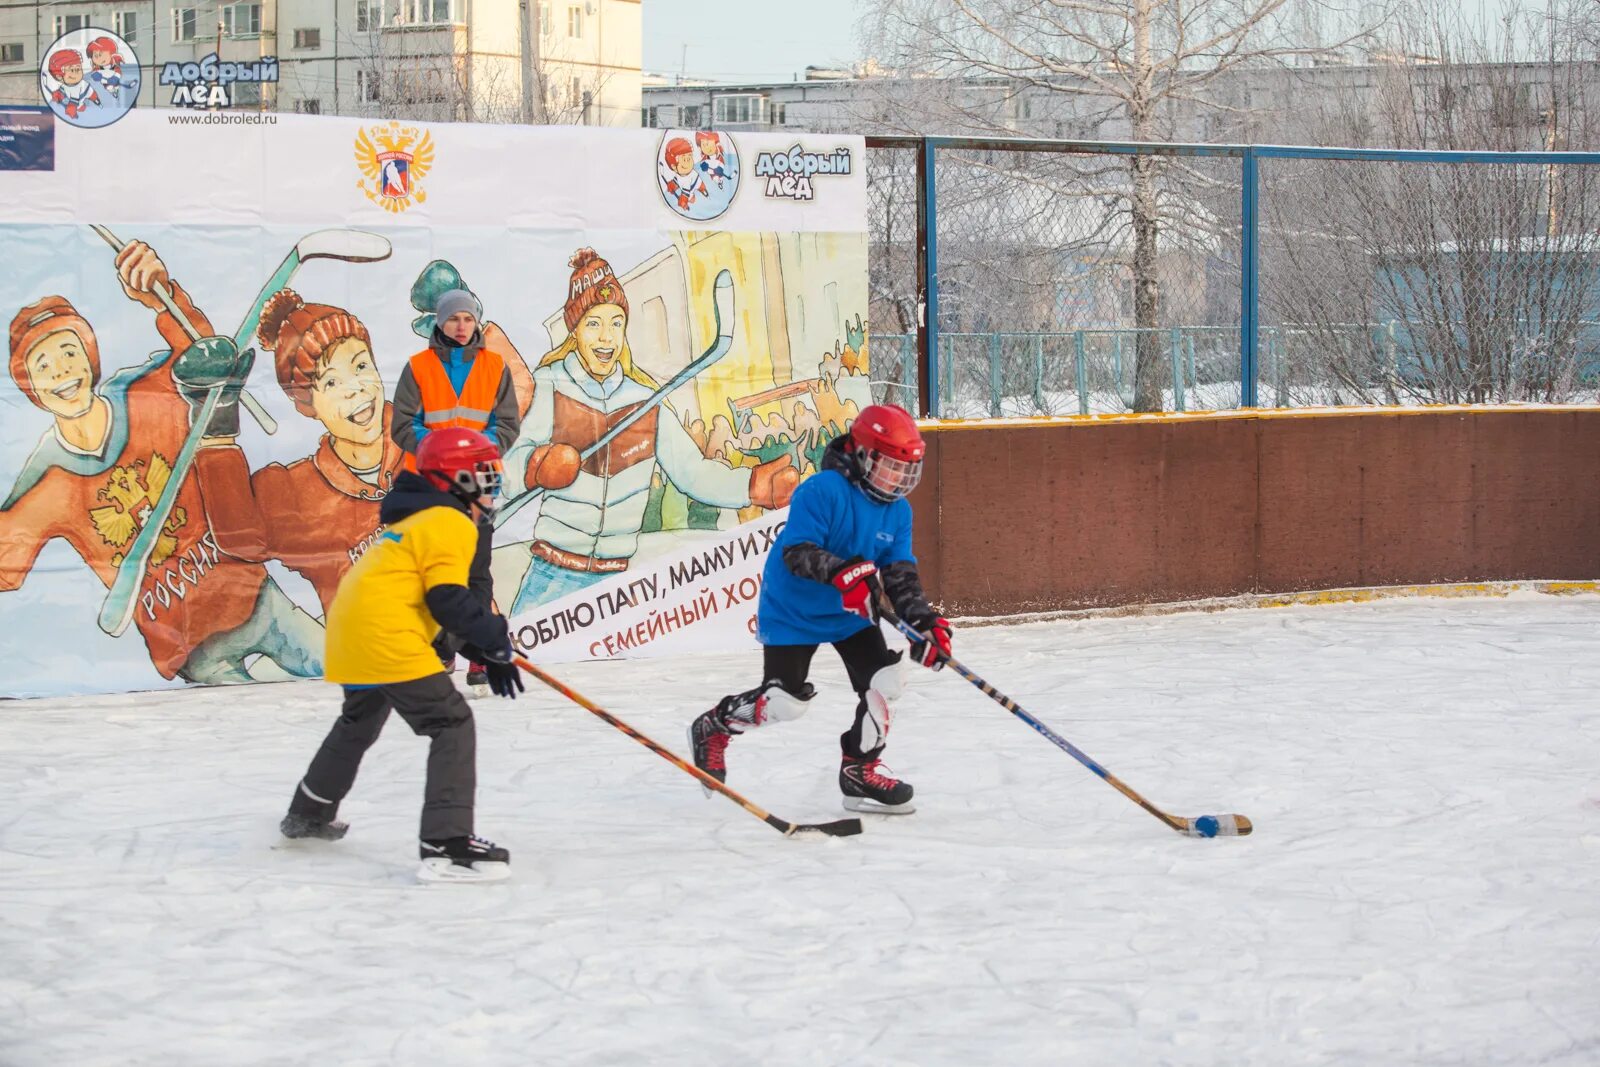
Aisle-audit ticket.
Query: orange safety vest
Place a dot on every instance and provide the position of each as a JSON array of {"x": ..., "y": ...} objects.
[{"x": 441, "y": 408}]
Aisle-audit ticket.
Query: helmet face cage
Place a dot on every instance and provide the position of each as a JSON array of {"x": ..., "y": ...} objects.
[
  {"x": 885, "y": 478},
  {"x": 481, "y": 484}
]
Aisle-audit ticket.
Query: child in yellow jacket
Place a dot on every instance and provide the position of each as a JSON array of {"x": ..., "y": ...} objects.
[{"x": 382, "y": 625}]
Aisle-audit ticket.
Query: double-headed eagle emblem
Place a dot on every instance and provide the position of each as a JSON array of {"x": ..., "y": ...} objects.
[{"x": 394, "y": 169}]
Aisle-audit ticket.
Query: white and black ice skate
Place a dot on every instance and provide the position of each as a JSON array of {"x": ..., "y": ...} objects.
[
  {"x": 477, "y": 681},
  {"x": 463, "y": 859},
  {"x": 869, "y": 786},
  {"x": 301, "y": 827}
]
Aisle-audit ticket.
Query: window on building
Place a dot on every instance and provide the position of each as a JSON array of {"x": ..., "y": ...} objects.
[
  {"x": 547, "y": 26},
  {"x": 69, "y": 23},
  {"x": 183, "y": 23},
  {"x": 364, "y": 16},
  {"x": 241, "y": 20},
  {"x": 308, "y": 107},
  {"x": 126, "y": 23},
  {"x": 588, "y": 104},
  {"x": 648, "y": 117},
  {"x": 421, "y": 12},
  {"x": 574, "y": 22},
  {"x": 11, "y": 52},
  {"x": 367, "y": 86},
  {"x": 245, "y": 94},
  {"x": 573, "y": 90},
  {"x": 778, "y": 113},
  {"x": 738, "y": 108},
  {"x": 688, "y": 115},
  {"x": 311, "y": 38}
]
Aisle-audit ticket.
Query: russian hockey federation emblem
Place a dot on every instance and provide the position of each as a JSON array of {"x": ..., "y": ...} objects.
[{"x": 394, "y": 159}]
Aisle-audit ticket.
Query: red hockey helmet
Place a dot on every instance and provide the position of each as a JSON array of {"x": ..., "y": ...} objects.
[
  {"x": 463, "y": 462},
  {"x": 888, "y": 451}
]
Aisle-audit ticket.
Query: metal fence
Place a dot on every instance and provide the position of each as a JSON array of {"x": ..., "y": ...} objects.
[{"x": 1019, "y": 277}]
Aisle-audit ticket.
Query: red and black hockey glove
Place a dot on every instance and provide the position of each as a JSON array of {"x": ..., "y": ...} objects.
[
  {"x": 933, "y": 651},
  {"x": 858, "y": 585}
]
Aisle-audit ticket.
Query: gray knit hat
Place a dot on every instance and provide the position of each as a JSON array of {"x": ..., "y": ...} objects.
[{"x": 453, "y": 300}]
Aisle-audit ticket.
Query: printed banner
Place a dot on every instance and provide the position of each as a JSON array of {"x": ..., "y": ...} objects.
[{"x": 673, "y": 381}]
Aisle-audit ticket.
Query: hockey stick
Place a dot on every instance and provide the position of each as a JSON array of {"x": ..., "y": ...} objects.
[
  {"x": 249, "y": 402},
  {"x": 840, "y": 828},
  {"x": 1201, "y": 826},
  {"x": 722, "y": 308},
  {"x": 354, "y": 246}
]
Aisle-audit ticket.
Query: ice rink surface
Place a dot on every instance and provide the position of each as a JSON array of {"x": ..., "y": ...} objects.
[{"x": 1421, "y": 887}]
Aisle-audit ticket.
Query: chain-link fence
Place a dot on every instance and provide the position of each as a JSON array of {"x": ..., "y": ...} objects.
[{"x": 1074, "y": 278}]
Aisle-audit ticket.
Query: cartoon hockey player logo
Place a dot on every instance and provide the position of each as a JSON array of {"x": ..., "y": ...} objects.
[
  {"x": 697, "y": 173},
  {"x": 394, "y": 169},
  {"x": 90, "y": 78}
]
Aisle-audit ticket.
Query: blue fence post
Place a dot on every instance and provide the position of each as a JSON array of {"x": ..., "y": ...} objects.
[
  {"x": 994, "y": 375},
  {"x": 928, "y": 234},
  {"x": 908, "y": 363},
  {"x": 1080, "y": 372},
  {"x": 1249, "y": 280},
  {"x": 1176, "y": 351}
]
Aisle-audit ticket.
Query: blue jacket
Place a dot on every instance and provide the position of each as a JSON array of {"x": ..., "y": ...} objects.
[{"x": 831, "y": 512}]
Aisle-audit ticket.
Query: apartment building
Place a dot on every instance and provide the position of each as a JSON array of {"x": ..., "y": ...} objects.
[{"x": 563, "y": 61}]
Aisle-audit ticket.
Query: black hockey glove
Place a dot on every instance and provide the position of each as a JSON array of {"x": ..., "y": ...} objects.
[{"x": 505, "y": 677}]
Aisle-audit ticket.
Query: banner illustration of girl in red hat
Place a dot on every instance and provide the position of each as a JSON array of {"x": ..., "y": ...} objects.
[{"x": 593, "y": 508}]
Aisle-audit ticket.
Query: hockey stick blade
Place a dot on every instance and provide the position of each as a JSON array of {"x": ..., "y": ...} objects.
[
  {"x": 838, "y": 828},
  {"x": 1204, "y": 826},
  {"x": 1217, "y": 826},
  {"x": 352, "y": 246}
]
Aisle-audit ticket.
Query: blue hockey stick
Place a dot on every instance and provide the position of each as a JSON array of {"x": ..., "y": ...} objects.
[{"x": 1203, "y": 826}]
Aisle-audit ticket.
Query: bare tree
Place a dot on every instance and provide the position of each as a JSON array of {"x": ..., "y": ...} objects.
[
  {"x": 1139, "y": 65},
  {"x": 1442, "y": 282}
]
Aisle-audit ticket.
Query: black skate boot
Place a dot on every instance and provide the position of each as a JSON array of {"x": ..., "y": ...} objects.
[
  {"x": 710, "y": 733},
  {"x": 869, "y": 786},
  {"x": 708, "y": 740},
  {"x": 463, "y": 859},
  {"x": 297, "y": 827},
  {"x": 477, "y": 680}
]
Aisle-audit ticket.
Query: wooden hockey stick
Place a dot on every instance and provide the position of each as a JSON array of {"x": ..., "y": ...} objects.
[{"x": 841, "y": 828}]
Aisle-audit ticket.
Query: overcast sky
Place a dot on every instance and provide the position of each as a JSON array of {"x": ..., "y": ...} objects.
[{"x": 774, "y": 40}]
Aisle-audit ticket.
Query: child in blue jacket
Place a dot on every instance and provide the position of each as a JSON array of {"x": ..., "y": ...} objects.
[{"x": 847, "y": 541}]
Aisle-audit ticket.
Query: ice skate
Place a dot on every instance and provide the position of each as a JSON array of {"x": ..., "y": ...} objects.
[
  {"x": 299, "y": 827},
  {"x": 463, "y": 859},
  {"x": 708, "y": 741},
  {"x": 869, "y": 786},
  {"x": 710, "y": 733},
  {"x": 477, "y": 681}
]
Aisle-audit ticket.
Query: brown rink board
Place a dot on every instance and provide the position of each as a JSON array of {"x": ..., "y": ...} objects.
[{"x": 1061, "y": 514}]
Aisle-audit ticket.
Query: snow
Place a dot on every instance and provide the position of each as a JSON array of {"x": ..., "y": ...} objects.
[{"x": 1419, "y": 888}]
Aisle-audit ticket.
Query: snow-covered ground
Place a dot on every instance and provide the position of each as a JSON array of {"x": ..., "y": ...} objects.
[{"x": 1420, "y": 889}]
